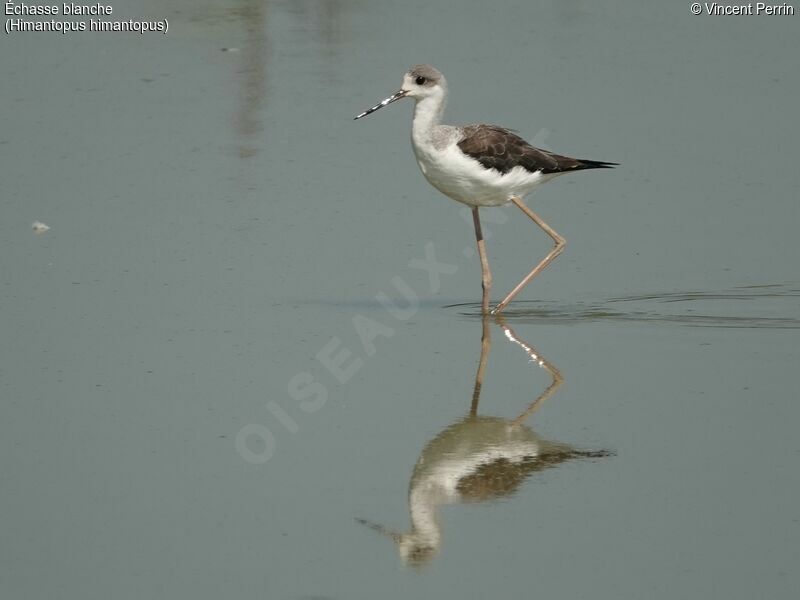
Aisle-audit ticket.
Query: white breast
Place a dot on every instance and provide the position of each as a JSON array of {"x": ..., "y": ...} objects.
[{"x": 464, "y": 179}]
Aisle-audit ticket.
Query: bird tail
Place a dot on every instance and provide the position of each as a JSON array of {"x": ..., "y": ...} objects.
[
  {"x": 592, "y": 453},
  {"x": 583, "y": 163}
]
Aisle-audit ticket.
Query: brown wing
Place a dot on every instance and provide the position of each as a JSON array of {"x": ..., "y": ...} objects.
[{"x": 502, "y": 150}]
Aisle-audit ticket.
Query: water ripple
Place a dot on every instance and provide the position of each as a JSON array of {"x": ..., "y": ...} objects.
[{"x": 774, "y": 306}]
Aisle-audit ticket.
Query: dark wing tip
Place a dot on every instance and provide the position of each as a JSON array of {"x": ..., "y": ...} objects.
[
  {"x": 598, "y": 164},
  {"x": 579, "y": 164}
]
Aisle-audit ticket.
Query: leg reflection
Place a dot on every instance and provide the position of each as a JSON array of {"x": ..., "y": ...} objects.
[{"x": 477, "y": 458}]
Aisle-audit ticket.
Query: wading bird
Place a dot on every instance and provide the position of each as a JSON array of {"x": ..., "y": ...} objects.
[{"x": 479, "y": 165}]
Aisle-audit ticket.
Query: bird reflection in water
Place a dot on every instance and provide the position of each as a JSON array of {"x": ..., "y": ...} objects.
[{"x": 478, "y": 458}]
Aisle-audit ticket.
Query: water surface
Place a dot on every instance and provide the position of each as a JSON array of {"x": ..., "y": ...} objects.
[{"x": 229, "y": 353}]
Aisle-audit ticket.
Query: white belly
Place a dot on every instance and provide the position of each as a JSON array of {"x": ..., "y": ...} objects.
[{"x": 464, "y": 179}]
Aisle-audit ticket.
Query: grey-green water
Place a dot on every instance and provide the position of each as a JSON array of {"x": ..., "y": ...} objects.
[{"x": 203, "y": 393}]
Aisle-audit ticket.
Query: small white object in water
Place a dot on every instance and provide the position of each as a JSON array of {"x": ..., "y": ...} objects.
[{"x": 39, "y": 227}]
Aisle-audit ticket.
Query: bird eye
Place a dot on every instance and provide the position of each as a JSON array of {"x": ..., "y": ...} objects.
[{"x": 420, "y": 80}]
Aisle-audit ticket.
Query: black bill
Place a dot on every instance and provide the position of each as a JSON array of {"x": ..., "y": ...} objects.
[{"x": 396, "y": 96}]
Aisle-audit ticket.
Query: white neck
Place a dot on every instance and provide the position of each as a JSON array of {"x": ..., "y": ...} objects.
[
  {"x": 423, "y": 506},
  {"x": 427, "y": 115}
]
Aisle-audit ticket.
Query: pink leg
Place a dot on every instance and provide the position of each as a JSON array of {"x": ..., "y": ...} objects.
[
  {"x": 486, "y": 274},
  {"x": 560, "y": 243}
]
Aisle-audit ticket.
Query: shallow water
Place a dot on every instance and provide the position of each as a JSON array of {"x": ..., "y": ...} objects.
[
  {"x": 243, "y": 358},
  {"x": 759, "y": 307}
]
